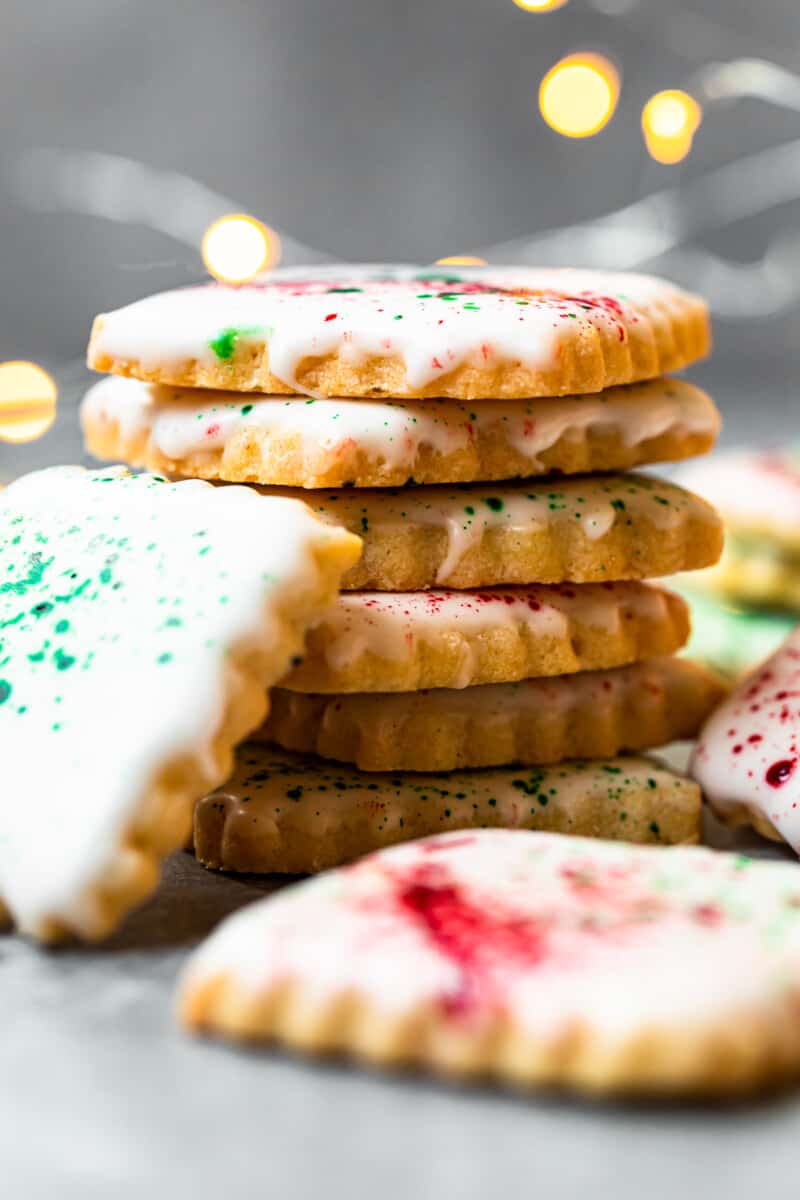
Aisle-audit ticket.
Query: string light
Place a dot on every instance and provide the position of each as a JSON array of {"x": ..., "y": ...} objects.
[
  {"x": 539, "y": 6},
  {"x": 237, "y": 247},
  {"x": 578, "y": 95},
  {"x": 670, "y": 120},
  {"x": 28, "y": 397},
  {"x": 461, "y": 260}
]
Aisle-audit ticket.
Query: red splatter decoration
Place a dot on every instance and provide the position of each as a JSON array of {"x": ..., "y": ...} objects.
[
  {"x": 477, "y": 939},
  {"x": 781, "y": 771}
]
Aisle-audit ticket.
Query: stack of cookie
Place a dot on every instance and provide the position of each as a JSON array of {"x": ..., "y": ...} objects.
[{"x": 495, "y": 648}]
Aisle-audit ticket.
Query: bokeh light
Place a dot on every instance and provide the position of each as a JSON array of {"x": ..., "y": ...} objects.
[
  {"x": 578, "y": 95},
  {"x": 539, "y": 6},
  {"x": 670, "y": 120},
  {"x": 461, "y": 260},
  {"x": 28, "y": 398},
  {"x": 237, "y": 247}
]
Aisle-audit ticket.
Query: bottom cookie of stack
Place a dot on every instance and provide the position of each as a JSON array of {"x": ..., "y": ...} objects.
[{"x": 294, "y": 814}]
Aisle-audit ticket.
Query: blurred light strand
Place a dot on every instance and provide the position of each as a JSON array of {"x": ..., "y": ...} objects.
[
  {"x": 657, "y": 230},
  {"x": 130, "y": 192}
]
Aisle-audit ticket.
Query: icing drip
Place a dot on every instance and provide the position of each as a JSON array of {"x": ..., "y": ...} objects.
[
  {"x": 432, "y": 322},
  {"x": 469, "y": 511},
  {"x": 184, "y": 422},
  {"x": 391, "y": 625}
]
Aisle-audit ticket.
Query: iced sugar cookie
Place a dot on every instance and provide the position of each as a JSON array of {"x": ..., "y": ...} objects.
[
  {"x": 402, "y": 641},
  {"x": 383, "y": 443},
  {"x": 748, "y": 753},
  {"x": 595, "y": 714},
  {"x": 758, "y": 495},
  {"x": 140, "y": 630},
  {"x": 293, "y": 814},
  {"x": 534, "y": 958},
  {"x": 757, "y": 573},
  {"x": 756, "y": 491},
  {"x": 500, "y": 333},
  {"x": 583, "y": 530}
]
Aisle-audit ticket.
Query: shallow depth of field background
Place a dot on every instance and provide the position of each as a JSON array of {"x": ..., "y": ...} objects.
[{"x": 380, "y": 129}]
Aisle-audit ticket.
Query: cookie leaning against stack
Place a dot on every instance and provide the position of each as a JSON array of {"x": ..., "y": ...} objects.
[{"x": 520, "y": 604}]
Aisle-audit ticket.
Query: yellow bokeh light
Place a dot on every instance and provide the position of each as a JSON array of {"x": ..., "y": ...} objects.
[
  {"x": 237, "y": 247},
  {"x": 670, "y": 120},
  {"x": 461, "y": 260},
  {"x": 28, "y": 397},
  {"x": 578, "y": 95},
  {"x": 537, "y": 6}
]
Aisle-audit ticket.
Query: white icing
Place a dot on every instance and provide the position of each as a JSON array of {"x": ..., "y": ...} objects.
[
  {"x": 393, "y": 314},
  {"x": 748, "y": 753},
  {"x": 182, "y": 422},
  {"x": 121, "y": 599},
  {"x": 393, "y": 625},
  {"x": 555, "y": 931},
  {"x": 275, "y": 788},
  {"x": 468, "y": 512},
  {"x": 751, "y": 488}
]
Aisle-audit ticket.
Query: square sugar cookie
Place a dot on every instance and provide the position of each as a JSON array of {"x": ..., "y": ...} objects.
[{"x": 141, "y": 623}]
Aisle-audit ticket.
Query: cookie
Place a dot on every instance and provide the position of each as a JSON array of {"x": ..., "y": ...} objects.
[
  {"x": 730, "y": 639},
  {"x": 584, "y": 530},
  {"x": 498, "y": 333},
  {"x": 755, "y": 573},
  {"x": 532, "y": 958},
  {"x": 337, "y": 443},
  {"x": 758, "y": 495},
  {"x": 596, "y": 714},
  {"x": 748, "y": 753},
  {"x": 756, "y": 491},
  {"x": 140, "y": 629},
  {"x": 402, "y": 641},
  {"x": 291, "y": 814}
]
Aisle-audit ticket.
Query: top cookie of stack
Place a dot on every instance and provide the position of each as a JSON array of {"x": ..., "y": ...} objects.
[{"x": 375, "y": 377}]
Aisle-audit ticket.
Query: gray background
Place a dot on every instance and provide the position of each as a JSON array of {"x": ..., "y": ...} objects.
[{"x": 366, "y": 129}]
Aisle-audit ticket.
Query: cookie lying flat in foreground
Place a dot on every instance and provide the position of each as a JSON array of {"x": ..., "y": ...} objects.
[
  {"x": 531, "y": 958},
  {"x": 594, "y": 714},
  {"x": 292, "y": 814},
  {"x": 141, "y": 629},
  {"x": 294, "y": 442},
  {"x": 402, "y": 641},
  {"x": 375, "y": 330}
]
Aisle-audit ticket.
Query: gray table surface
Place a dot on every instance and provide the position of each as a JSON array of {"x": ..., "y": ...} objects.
[{"x": 101, "y": 1095}]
